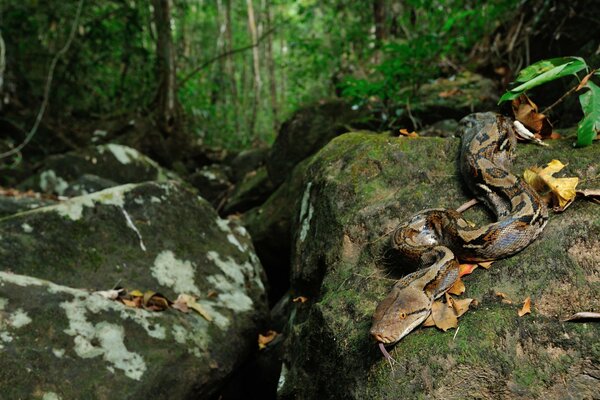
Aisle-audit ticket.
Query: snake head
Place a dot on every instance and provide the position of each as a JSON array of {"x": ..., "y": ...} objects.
[{"x": 404, "y": 309}]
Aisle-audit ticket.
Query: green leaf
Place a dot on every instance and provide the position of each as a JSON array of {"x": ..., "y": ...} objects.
[
  {"x": 543, "y": 66},
  {"x": 589, "y": 126},
  {"x": 542, "y": 72}
]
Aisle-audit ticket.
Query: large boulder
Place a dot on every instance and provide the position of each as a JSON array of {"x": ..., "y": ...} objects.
[
  {"x": 58, "y": 337},
  {"x": 357, "y": 189},
  {"x": 307, "y": 131},
  {"x": 94, "y": 168}
]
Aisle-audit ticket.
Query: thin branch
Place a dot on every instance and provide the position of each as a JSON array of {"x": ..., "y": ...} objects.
[
  {"x": 46, "y": 99},
  {"x": 225, "y": 54},
  {"x": 564, "y": 96}
]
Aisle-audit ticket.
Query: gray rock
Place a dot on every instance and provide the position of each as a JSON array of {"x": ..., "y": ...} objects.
[
  {"x": 58, "y": 337},
  {"x": 212, "y": 182},
  {"x": 251, "y": 191},
  {"x": 357, "y": 189},
  {"x": 110, "y": 162}
]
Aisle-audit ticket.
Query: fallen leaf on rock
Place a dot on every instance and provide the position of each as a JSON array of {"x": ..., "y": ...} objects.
[
  {"x": 562, "y": 189},
  {"x": 136, "y": 293},
  {"x": 466, "y": 269},
  {"x": 405, "y": 132},
  {"x": 265, "y": 339},
  {"x": 135, "y": 302},
  {"x": 112, "y": 294},
  {"x": 526, "y": 309},
  {"x": 155, "y": 301},
  {"x": 429, "y": 321},
  {"x": 449, "y": 93},
  {"x": 504, "y": 297},
  {"x": 186, "y": 300},
  {"x": 461, "y": 306},
  {"x": 457, "y": 288},
  {"x": 591, "y": 194},
  {"x": 300, "y": 299},
  {"x": 485, "y": 264},
  {"x": 443, "y": 315},
  {"x": 584, "y": 315}
]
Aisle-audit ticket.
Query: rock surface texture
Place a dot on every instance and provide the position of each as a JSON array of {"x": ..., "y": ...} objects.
[
  {"x": 59, "y": 338},
  {"x": 357, "y": 189}
]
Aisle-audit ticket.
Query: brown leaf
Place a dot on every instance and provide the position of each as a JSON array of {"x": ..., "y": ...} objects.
[
  {"x": 504, "y": 298},
  {"x": 135, "y": 302},
  {"x": 457, "y": 288},
  {"x": 443, "y": 315},
  {"x": 449, "y": 93},
  {"x": 190, "y": 302},
  {"x": 300, "y": 299},
  {"x": 265, "y": 339},
  {"x": 526, "y": 309},
  {"x": 591, "y": 194},
  {"x": 405, "y": 132},
  {"x": 461, "y": 306},
  {"x": 485, "y": 264},
  {"x": 526, "y": 112},
  {"x": 585, "y": 80},
  {"x": 155, "y": 301},
  {"x": 429, "y": 321}
]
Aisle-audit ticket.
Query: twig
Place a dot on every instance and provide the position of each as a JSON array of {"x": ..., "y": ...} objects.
[
  {"x": 226, "y": 54},
  {"x": 551, "y": 106},
  {"x": 40, "y": 114}
]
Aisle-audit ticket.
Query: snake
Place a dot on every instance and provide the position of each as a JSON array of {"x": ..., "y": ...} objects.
[{"x": 434, "y": 240}]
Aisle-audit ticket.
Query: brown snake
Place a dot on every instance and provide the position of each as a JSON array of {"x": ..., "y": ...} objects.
[{"x": 435, "y": 239}]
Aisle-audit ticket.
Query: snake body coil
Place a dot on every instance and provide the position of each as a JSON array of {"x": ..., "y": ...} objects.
[{"x": 435, "y": 239}]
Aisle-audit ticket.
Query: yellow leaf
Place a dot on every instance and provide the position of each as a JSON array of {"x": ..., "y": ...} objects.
[
  {"x": 526, "y": 307},
  {"x": 457, "y": 288},
  {"x": 485, "y": 264},
  {"x": 265, "y": 339},
  {"x": 405, "y": 132},
  {"x": 562, "y": 189},
  {"x": 300, "y": 299},
  {"x": 136, "y": 293},
  {"x": 190, "y": 302}
]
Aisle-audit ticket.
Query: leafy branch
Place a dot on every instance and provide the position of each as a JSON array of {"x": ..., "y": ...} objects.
[{"x": 545, "y": 71}]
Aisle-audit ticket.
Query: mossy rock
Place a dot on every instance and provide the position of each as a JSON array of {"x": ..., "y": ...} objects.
[
  {"x": 307, "y": 131},
  {"x": 58, "y": 336},
  {"x": 250, "y": 192},
  {"x": 61, "y": 174},
  {"x": 357, "y": 189}
]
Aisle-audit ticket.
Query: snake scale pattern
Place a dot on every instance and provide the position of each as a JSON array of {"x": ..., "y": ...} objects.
[{"x": 434, "y": 240}]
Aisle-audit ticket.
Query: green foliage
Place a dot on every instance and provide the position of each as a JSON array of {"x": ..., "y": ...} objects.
[
  {"x": 545, "y": 71},
  {"x": 589, "y": 126},
  {"x": 542, "y": 72},
  {"x": 434, "y": 33}
]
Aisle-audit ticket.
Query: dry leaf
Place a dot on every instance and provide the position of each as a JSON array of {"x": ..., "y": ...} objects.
[
  {"x": 466, "y": 269},
  {"x": 526, "y": 112},
  {"x": 300, "y": 299},
  {"x": 562, "y": 189},
  {"x": 457, "y": 288},
  {"x": 449, "y": 93},
  {"x": 526, "y": 309},
  {"x": 504, "y": 298},
  {"x": 405, "y": 132},
  {"x": 265, "y": 339},
  {"x": 485, "y": 264},
  {"x": 591, "y": 194},
  {"x": 135, "y": 293},
  {"x": 190, "y": 302},
  {"x": 155, "y": 301},
  {"x": 584, "y": 315},
  {"x": 443, "y": 315},
  {"x": 429, "y": 321},
  {"x": 135, "y": 302},
  {"x": 585, "y": 80},
  {"x": 461, "y": 306},
  {"x": 110, "y": 294}
]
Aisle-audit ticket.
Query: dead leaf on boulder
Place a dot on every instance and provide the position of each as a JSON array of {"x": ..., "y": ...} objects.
[
  {"x": 443, "y": 315},
  {"x": 526, "y": 309},
  {"x": 583, "y": 316},
  {"x": 264, "y": 340},
  {"x": 185, "y": 302},
  {"x": 526, "y": 112},
  {"x": 405, "y": 132},
  {"x": 562, "y": 189},
  {"x": 300, "y": 299},
  {"x": 461, "y": 306},
  {"x": 457, "y": 288}
]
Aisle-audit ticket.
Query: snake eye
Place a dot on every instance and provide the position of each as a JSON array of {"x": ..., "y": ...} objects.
[{"x": 402, "y": 315}]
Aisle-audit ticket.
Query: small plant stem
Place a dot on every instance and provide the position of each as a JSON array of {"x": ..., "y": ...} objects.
[{"x": 564, "y": 96}]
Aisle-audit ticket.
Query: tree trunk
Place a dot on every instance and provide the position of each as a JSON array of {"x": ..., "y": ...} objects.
[
  {"x": 230, "y": 67},
  {"x": 271, "y": 68},
  {"x": 255, "y": 65},
  {"x": 167, "y": 106}
]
